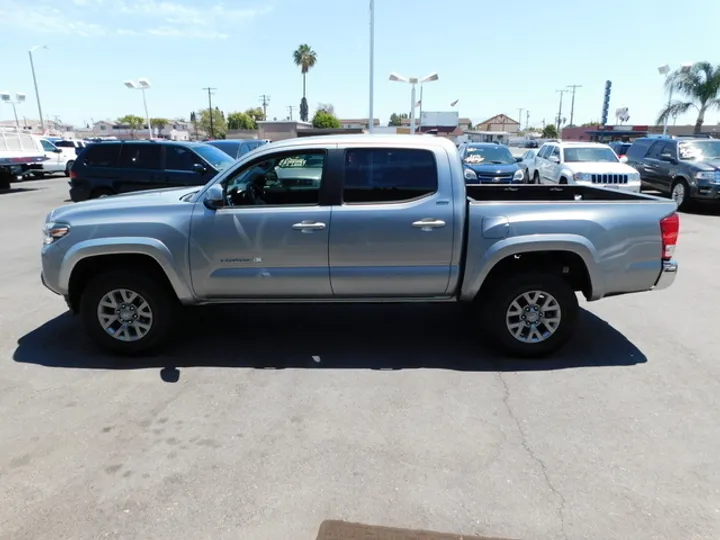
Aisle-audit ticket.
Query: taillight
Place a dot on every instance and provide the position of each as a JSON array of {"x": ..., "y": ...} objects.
[
  {"x": 73, "y": 175},
  {"x": 669, "y": 230}
]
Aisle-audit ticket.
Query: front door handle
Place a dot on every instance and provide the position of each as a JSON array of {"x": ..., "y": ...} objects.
[
  {"x": 428, "y": 224},
  {"x": 308, "y": 226}
]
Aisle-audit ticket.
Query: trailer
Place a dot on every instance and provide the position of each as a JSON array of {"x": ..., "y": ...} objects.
[{"x": 19, "y": 155}]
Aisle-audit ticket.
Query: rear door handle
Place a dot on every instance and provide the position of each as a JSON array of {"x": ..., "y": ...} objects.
[
  {"x": 308, "y": 226},
  {"x": 428, "y": 224}
]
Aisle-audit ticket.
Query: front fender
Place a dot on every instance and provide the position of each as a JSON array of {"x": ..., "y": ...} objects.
[
  {"x": 125, "y": 246},
  {"x": 477, "y": 270}
]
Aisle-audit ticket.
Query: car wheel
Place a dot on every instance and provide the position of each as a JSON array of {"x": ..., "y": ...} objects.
[
  {"x": 536, "y": 178},
  {"x": 126, "y": 313},
  {"x": 563, "y": 180},
  {"x": 679, "y": 193},
  {"x": 530, "y": 316},
  {"x": 68, "y": 167}
]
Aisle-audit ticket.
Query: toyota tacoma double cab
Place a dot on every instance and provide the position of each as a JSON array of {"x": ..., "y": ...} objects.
[{"x": 356, "y": 219}]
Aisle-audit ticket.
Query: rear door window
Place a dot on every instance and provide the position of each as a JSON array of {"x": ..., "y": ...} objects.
[
  {"x": 375, "y": 175},
  {"x": 141, "y": 156},
  {"x": 102, "y": 155}
]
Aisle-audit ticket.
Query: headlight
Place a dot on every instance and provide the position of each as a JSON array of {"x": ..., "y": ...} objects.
[
  {"x": 470, "y": 174},
  {"x": 582, "y": 177},
  {"x": 54, "y": 230},
  {"x": 633, "y": 177},
  {"x": 518, "y": 176},
  {"x": 707, "y": 175}
]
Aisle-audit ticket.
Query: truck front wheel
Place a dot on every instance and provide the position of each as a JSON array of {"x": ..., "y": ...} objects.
[
  {"x": 126, "y": 313},
  {"x": 530, "y": 315}
]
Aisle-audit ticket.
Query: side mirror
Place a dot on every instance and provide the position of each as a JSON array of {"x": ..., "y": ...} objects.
[
  {"x": 623, "y": 159},
  {"x": 199, "y": 168},
  {"x": 58, "y": 151},
  {"x": 554, "y": 159},
  {"x": 518, "y": 159},
  {"x": 214, "y": 197}
]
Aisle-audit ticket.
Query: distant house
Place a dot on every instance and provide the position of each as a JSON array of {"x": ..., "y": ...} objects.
[
  {"x": 499, "y": 122},
  {"x": 358, "y": 123},
  {"x": 176, "y": 130}
]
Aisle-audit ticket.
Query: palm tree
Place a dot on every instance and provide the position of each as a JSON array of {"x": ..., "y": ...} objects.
[
  {"x": 700, "y": 86},
  {"x": 305, "y": 58}
]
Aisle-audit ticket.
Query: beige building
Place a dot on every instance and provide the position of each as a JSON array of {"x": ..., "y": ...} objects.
[
  {"x": 358, "y": 123},
  {"x": 499, "y": 123}
]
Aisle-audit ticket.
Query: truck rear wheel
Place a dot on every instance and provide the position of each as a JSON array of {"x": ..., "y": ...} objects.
[
  {"x": 531, "y": 316},
  {"x": 125, "y": 313}
]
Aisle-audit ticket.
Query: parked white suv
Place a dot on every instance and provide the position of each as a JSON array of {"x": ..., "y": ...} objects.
[
  {"x": 59, "y": 160},
  {"x": 583, "y": 163}
]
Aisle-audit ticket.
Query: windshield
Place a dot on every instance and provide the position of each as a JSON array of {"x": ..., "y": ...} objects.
[
  {"x": 229, "y": 147},
  {"x": 482, "y": 155},
  {"x": 590, "y": 154},
  {"x": 217, "y": 158},
  {"x": 699, "y": 150},
  {"x": 621, "y": 148}
]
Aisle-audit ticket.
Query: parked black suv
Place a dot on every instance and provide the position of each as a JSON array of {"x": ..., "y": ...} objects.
[
  {"x": 108, "y": 168},
  {"x": 688, "y": 169}
]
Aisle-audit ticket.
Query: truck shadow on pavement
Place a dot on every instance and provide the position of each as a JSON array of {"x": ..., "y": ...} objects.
[{"x": 325, "y": 337}]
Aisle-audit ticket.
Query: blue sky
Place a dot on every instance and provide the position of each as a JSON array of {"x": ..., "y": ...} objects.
[{"x": 489, "y": 55}]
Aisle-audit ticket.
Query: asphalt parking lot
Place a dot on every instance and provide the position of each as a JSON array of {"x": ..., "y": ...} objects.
[{"x": 264, "y": 422}]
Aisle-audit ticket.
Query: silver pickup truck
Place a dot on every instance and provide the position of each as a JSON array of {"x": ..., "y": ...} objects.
[{"x": 362, "y": 219}]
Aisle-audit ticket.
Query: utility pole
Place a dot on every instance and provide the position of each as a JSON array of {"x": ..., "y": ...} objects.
[
  {"x": 264, "y": 102},
  {"x": 572, "y": 103},
  {"x": 210, "y": 92},
  {"x": 371, "y": 112},
  {"x": 290, "y": 110},
  {"x": 520, "y": 111},
  {"x": 527, "y": 120},
  {"x": 559, "y": 115}
]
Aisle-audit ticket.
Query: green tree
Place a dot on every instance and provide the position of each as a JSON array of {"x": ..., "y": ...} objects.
[
  {"x": 327, "y": 107},
  {"x": 699, "y": 85},
  {"x": 241, "y": 120},
  {"x": 591, "y": 124},
  {"x": 159, "y": 124},
  {"x": 396, "y": 119},
  {"x": 305, "y": 58},
  {"x": 219, "y": 124},
  {"x": 324, "y": 119},
  {"x": 133, "y": 122},
  {"x": 257, "y": 114},
  {"x": 549, "y": 132}
]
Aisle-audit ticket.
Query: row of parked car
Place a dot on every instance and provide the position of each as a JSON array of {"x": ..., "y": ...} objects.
[{"x": 684, "y": 168}]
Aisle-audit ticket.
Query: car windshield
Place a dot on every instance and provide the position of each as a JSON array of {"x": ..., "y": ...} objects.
[
  {"x": 699, "y": 150},
  {"x": 229, "y": 147},
  {"x": 589, "y": 154},
  {"x": 217, "y": 158},
  {"x": 621, "y": 148},
  {"x": 491, "y": 154}
]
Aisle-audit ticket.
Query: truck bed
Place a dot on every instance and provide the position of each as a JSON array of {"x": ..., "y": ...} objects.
[{"x": 548, "y": 193}]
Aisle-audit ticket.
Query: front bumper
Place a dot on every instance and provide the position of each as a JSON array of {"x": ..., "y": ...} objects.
[
  {"x": 667, "y": 275},
  {"x": 705, "y": 192}
]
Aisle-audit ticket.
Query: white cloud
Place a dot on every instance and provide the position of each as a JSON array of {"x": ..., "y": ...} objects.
[{"x": 160, "y": 18}]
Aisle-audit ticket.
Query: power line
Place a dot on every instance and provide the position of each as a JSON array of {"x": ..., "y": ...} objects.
[
  {"x": 264, "y": 101},
  {"x": 572, "y": 103},
  {"x": 210, "y": 92}
]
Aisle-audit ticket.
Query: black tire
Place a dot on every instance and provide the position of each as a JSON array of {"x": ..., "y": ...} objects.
[
  {"x": 536, "y": 178},
  {"x": 563, "y": 180},
  {"x": 497, "y": 304},
  {"x": 68, "y": 167},
  {"x": 161, "y": 300},
  {"x": 683, "y": 201},
  {"x": 5, "y": 179}
]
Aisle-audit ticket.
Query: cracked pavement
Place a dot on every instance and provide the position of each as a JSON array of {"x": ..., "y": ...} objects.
[{"x": 265, "y": 421}]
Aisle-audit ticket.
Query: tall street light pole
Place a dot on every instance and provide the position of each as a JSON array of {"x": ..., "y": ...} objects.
[
  {"x": 413, "y": 81},
  {"x": 371, "y": 112},
  {"x": 142, "y": 85},
  {"x": 572, "y": 103},
  {"x": 37, "y": 93}
]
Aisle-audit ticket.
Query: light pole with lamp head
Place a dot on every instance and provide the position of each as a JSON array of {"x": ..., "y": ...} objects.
[
  {"x": 5, "y": 97},
  {"x": 142, "y": 85},
  {"x": 413, "y": 81},
  {"x": 665, "y": 70},
  {"x": 37, "y": 93}
]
